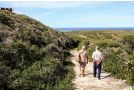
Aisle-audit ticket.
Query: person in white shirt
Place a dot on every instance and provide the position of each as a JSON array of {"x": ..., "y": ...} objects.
[{"x": 97, "y": 60}]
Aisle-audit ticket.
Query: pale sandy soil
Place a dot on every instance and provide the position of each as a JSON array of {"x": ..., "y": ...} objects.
[
  {"x": 83, "y": 36},
  {"x": 88, "y": 82}
]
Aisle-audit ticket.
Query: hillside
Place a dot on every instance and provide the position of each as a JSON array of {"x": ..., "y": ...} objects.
[
  {"x": 117, "y": 48},
  {"x": 33, "y": 56}
]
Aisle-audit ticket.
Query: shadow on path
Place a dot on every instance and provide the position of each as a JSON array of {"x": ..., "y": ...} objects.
[
  {"x": 106, "y": 76},
  {"x": 102, "y": 76}
]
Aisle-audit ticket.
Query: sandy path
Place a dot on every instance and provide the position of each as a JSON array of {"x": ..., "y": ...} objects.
[
  {"x": 83, "y": 36},
  {"x": 90, "y": 83}
]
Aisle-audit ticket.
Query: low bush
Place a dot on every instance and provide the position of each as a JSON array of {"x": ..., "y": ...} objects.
[
  {"x": 114, "y": 63},
  {"x": 105, "y": 44},
  {"x": 128, "y": 40},
  {"x": 130, "y": 69}
]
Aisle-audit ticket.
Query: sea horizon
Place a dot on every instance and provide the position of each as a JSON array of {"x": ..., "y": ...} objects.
[{"x": 67, "y": 29}]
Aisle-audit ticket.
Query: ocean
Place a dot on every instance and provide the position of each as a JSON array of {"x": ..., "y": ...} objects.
[{"x": 79, "y": 29}]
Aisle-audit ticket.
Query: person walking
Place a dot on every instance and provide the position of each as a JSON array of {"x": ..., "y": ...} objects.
[
  {"x": 97, "y": 60},
  {"x": 83, "y": 60}
]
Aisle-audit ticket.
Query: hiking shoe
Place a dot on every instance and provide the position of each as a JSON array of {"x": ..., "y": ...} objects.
[
  {"x": 94, "y": 76},
  {"x": 83, "y": 75}
]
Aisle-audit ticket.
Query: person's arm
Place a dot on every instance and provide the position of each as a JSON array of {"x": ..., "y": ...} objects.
[
  {"x": 100, "y": 59},
  {"x": 87, "y": 58},
  {"x": 99, "y": 62},
  {"x": 93, "y": 56},
  {"x": 77, "y": 56}
]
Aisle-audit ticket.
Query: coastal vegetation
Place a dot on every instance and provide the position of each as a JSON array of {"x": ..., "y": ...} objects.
[
  {"x": 117, "y": 48},
  {"x": 33, "y": 56}
]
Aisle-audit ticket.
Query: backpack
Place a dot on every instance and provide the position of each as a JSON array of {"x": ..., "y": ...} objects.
[{"x": 79, "y": 57}]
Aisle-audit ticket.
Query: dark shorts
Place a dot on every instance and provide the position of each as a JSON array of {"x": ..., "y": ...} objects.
[{"x": 83, "y": 64}]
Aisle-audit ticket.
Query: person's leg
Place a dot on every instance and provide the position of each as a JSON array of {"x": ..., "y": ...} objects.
[
  {"x": 82, "y": 71},
  {"x": 99, "y": 71},
  {"x": 94, "y": 69},
  {"x": 80, "y": 68}
]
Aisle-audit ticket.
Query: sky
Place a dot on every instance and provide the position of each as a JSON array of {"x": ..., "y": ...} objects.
[{"x": 58, "y": 14}]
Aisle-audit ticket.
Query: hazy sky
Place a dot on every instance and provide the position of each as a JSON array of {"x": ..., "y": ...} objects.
[{"x": 77, "y": 13}]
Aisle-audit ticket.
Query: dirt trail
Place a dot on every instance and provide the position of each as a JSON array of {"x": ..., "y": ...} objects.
[
  {"x": 88, "y": 82},
  {"x": 82, "y": 36}
]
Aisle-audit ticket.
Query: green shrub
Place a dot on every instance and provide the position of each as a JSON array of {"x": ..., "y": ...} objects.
[
  {"x": 130, "y": 76},
  {"x": 6, "y": 20},
  {"x": 114, "y": 63},
  {"x": 4, "y": 76},
  {"x": 129, "y": 41},
  {"x": 104, "y": 44},
  {"x": 90, "y": 51}
]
